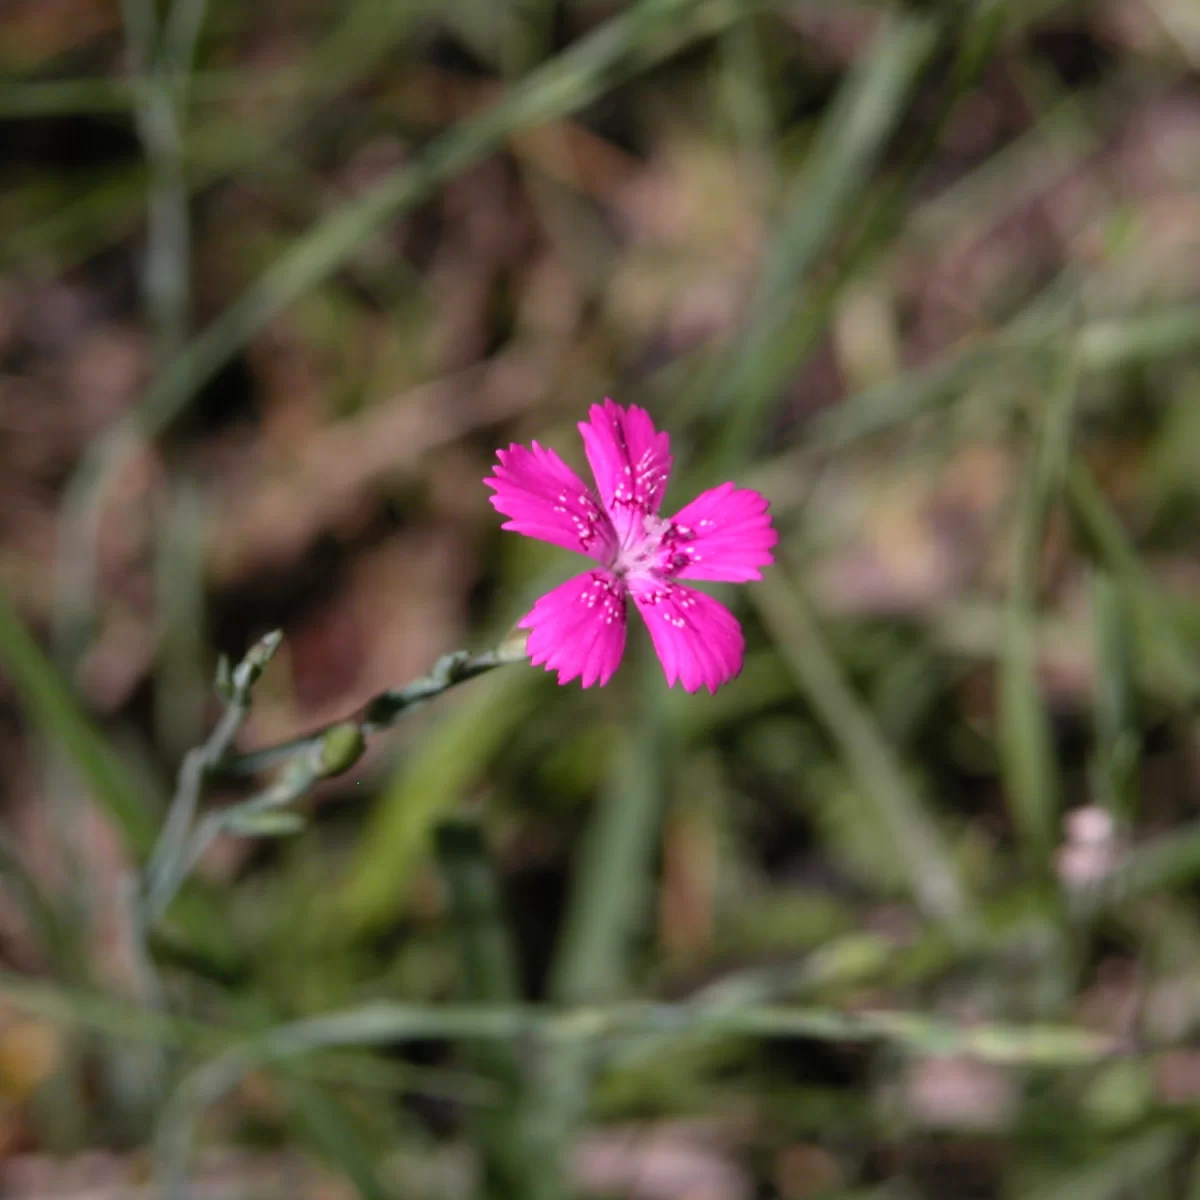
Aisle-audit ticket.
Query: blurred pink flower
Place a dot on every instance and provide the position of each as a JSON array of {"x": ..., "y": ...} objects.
[{"x": 578, "y": 629}]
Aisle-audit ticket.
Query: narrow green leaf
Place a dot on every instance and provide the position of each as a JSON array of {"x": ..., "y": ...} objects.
[
  {"x": 434, "y": 775},
  {"x": 265, "y": 824},
  {"x": 1117, "y": 736},
  {"x": 611, "y": 879},
  {"x": 1025, "y": 737},
  {"x": 922, "y": 853},
  {"x": 58, "y": 715},
  {"x": 848, "y": 144}
]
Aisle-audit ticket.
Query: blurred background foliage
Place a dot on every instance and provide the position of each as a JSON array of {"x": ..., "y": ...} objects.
[{"x": 909, "y": 909}]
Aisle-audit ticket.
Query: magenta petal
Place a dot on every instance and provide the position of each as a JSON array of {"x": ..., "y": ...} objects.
[
  {"x": 545, "y": 499},
  {"x": 578, "y": 629},
  {"x": 630, "y": 460},
  {"x": 697, "y": 640},
  {"x": 725, "y": 533}
]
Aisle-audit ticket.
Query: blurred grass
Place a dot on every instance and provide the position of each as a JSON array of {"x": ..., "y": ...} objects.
[
  {"x": 843, "y": 151},
  {"x": 1026, "y": 739},
  {"x": 426, "y": 786},
  {"x": 926, "y": 276},
  {"x": 932, "y": 874},
  {"x": 61, "y": 720}
]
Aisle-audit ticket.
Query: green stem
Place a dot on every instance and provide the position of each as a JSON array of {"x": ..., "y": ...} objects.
[{"x": 326, "y": 751}]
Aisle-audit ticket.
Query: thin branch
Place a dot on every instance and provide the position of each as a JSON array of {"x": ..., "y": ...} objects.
[
  {"x": 327, "y": 751},
  {"x": 165, "y": 869},
  {"x": 385, "y": 709}
]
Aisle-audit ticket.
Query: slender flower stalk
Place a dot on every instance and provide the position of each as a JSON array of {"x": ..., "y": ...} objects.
[
  {"x": 306, "y": 760},
  {"x": 578, "y": 629}
]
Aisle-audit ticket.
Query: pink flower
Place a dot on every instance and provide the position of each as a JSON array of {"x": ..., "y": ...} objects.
[{"x": 578, "y": 629}]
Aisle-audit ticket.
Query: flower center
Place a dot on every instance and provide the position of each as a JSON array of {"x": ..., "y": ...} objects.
[{"x": 655, "y": 551}]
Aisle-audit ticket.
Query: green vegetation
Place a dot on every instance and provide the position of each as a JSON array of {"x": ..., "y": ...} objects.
[{"x": 907, "y": 910}]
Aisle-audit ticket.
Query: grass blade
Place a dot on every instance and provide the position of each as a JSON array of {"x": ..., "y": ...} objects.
[
  {"x": 1025, "y": 737},
  {"x": 57, "y": 713},
  {"x": 848, "y": 144},
  {"x": 933, "y": 877},
  {"x": 1174, "y": 658},
  {"x": 431, "y": 779},
  {"x": 1117, "y": 737}
]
